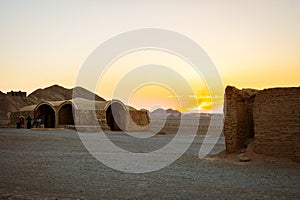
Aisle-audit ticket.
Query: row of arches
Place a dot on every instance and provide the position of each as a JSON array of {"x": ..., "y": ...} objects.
[
  {"x": 115, "y": 117},
  {"x": 47, "y": 114},
  {"x": 59, "y": 115}
]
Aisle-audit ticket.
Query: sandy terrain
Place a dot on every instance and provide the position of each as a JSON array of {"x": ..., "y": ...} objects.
[{"x": 55, "y": 165}]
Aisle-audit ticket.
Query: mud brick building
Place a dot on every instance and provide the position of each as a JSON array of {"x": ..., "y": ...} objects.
[
  {"x": 86, "y": 114},
  {"x": 270, "y": 118}
]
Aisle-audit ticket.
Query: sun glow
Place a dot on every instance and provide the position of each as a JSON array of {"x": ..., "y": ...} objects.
[
  {"x": 155, "y": 95},
  {"x": 181, "y": 87},
  {"x": 253, "y": 46}
]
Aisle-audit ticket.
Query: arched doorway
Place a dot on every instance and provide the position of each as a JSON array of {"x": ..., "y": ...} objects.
[
  {"x": 65, "y": 115},
  {"x": 116, "y": 117},
  {"x": 47, "y": 114}
]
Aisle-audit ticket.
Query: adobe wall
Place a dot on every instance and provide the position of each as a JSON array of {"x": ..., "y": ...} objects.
[
  {"x": 270, "y": 118},
  {"x": 276, "y": 115},
  {"x": 238, "y": 117},
  {"x": 137, "y": 121},
  {"x": 94, "y": 118},
  {"x": 15, "y": 116}
]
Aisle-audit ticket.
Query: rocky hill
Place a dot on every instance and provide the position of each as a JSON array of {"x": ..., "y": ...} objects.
[
  {"x": 58, "y": 93},
  {"x": 8, "y": 104},
  {"x": 53, "y": 93}
]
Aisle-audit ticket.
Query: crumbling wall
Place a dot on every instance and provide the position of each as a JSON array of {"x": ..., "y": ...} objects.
[
  {"x": 139, "y": 120},
  {"x": 270, "y": 118},
  {"x": 276, "y": 115},
  {"x": 238, "y": 117}
]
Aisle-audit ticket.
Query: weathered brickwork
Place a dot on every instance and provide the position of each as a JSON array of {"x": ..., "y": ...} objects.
[
  {"x": 238, "y": 117},
  {"x": 137, "y": 120},
  {"x": 270, "y": 117},
  {"x": 276, "y": 115}
]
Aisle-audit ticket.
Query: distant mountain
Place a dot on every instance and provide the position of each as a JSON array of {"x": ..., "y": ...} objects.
[
  {"x": 161, "y": 111},
  {"x": 53, "y": 93},
  {"x": 173, "y": 112}
]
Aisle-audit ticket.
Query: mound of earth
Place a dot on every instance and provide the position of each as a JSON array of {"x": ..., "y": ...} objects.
[{"x": 248, "y": 156}]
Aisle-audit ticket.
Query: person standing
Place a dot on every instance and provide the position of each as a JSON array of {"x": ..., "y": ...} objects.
[
  {"x": 28, "y": 122},
  {"x": 38, "y": 122}
]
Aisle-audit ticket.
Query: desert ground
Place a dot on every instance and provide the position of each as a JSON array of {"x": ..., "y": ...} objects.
[{"x": 54, "y": 164}]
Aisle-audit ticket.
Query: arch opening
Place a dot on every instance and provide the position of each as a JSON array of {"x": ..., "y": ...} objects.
[
  {"x": 116, "y": 117},
  {"x": 65, "y": 115},
  {"x": 46, "y": 113}
]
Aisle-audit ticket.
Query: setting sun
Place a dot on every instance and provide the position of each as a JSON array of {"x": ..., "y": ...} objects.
[{"x": 155, "y": 95}]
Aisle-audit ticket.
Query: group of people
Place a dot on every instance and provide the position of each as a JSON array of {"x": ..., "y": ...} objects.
[{"x": 29, "y": 124}]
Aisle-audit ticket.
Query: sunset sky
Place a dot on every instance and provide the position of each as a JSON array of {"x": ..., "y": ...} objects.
[{"x": 253, "y": 44}]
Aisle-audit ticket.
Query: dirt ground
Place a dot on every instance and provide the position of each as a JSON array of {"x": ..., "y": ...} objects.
[{"x": 54, "y": 164}]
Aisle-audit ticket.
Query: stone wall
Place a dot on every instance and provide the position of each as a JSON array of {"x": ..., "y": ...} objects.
[
  {"x": 270, "y": 118},
  {"x": 276, "y": 115}
]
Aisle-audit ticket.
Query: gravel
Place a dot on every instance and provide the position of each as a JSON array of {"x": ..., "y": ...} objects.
[{"x": 55, "y": 165}]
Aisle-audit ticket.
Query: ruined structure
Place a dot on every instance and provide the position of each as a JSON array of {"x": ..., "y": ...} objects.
[
  {"x": 110, "y": 115},
  {"x": 270, "y": 118},
  {"x": 17, "y": 94},
  {"x": 238, "y": 126}
]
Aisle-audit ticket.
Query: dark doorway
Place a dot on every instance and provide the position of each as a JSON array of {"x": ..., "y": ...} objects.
[
  {"x": 250, "y": 116},
  {"x": 116, "y": 117},
  {"x": 47, "y": 114},
  {"x": 65, "y": 115}
]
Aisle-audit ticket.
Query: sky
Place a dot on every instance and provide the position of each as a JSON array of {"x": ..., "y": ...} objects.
[{"x": 253, "y": 44}]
